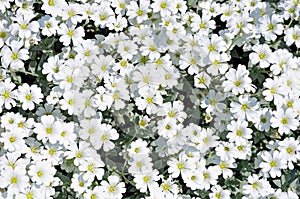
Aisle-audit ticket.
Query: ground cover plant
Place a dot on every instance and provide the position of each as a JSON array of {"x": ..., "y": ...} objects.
[{"x": 108, "y": 99}]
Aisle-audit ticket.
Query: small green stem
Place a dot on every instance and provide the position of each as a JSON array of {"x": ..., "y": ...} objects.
[{"x": 25, "y": 72}]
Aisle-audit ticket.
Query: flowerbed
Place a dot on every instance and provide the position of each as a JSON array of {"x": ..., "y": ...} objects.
[{"x": 149, "y": 99}]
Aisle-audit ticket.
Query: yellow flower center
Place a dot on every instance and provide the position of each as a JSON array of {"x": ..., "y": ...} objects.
[
  {"x": 48, "y": 25},
  {"x": 140, "y": 12},
  {"x": 295, "y": 36},
  {"x": 14, "y": 56},
  {"x": 223, "y": 165},
  {"x": 149, "y": 100},
  {"x": 81, "y": 184},
  {"x": 51, "y": 151},
  {"x": 143, "y": 123},
  {"x": 146, "y": 179},
  {"x": 40, "y": 173},
  {"x": 79, "y": 154},
  {"x": 104, "y": 137},
  {"x": 49, "y": 130},
  {"x": 201, "y": 80},
  {"x": 180, "y": 166},
  {"x": 14, "y": 180},
  {"x": 93, "y": 196},
  {"x": 245, "y": 107},
  {"x": 63, "y": 134},
  {"x": 112, "y": 189},
  {"x": 255, "y": 185},
  {"x": 70, "y": 33},
  {"x": 29, "y": 195},
  {"x": 263, "y": 120},
  {"x": 104, "y": 68},
  {"x": 12, "y": 139},
  {"x": 139, "y": 164},
  {"x": 289, "y": 104},
  {"x": 237, "y": 83},
  {"x": 122, "y": 5},
  {"x": 166, "y": 187},
  {"x": 202, "y": 25},
  {"x": 163, "y": 5},
  {"x": 289, "y": 150},
  {"x": 6, "y": 94},
  {"x": 205, "y": 175},
  {"x": 171, "y": 114},
  {"x": 152, "y": 48},
  {"x": 284, "y": 121},
  {"x": 28, "y": 97},
  {"x": 3, "y": 34},
  {"x": 51, "y": 3},
  {"x": 103, "y": 17},
  {"x": 273, "y": 163},
  {"x": 272, "y": 90},
  {"x": 167, "y": 76},
  {"x": 23, "y": 26},
  {"x": 115, "y": 96},
  {"x": 211, "y": 48},
  {"x": 240, "y": 148},
  {"x": 262, "y": 55},
  {"x": 90, "y": 167},
  {"x": 70, "y": 102},
  {"x": 87, "y": 53},
  {"x": 271, "y": 27},
  {"x": 193, "y": 61},
  {"x": 71, "y": 13}
]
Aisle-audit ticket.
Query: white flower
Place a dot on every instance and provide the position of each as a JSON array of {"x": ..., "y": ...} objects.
[
  {"x": 14, "y": 56},
  {"x": 219, "y": 193},
  {"x": 239, "y": 133},
  {"x": 271, "y": 26},
  {"x": 54, "y": 7},
  {"x": 257, "y": 187},
  {"x": 165, "y": 7},
  {"x": 79, "y": 184},
  {"x": 290, "y": 150},
  {"x": 15, "y": 180},
  {"x": 292, "y": 35},
  {"x": 262, "y": 122},
  {"x": 146, "y": 180},
  {"x": 149, "y": 101},
  {"x": 274, "y": 90},
  {"x": 104, "y": 137},
  {"x": 13, "y": 140},
  {"x": 246, "y": 108},
  {"x": 238, "y": 81},
  {"x": 284, "y": 120},
  {"x": 47, "y": 129},
  {"x": 42, "y": 173},
  {"x": 23, "y": 27},
  {"x": 7, "y": 94},
  {"x": 179, "y": 166},
  {"x": 49, "y": 25},
  {"x": 202, "y": 80},
  {"x": 29, "y": 95},
  {"x": 262, "y": 55},
  {"x": 273, "y": 163},
  {"x": 139, "y": 12},
  {"x": 70, "y": 33},
  {"x": 92, "y": 167},
  {"x": 113, "y": 187}
]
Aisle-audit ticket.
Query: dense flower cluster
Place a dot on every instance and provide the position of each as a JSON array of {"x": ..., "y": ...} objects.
[{"x": 149, "y": 99}]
